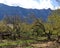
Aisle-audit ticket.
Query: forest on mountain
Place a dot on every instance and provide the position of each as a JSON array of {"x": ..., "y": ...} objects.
[{"x": 31, "y": 28}]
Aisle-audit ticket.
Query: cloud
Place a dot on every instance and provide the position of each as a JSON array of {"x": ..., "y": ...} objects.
[
  {"x": 35, "y": 4},
  {"x": 1, "y": 1},
  {"x": 55, "y": 3}
]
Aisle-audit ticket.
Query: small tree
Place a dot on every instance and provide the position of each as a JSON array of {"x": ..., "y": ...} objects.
[
  {"x": 38, "y": 28},
  {"x": 54, "y": 21},
  {"x": 15, "y": 21}
]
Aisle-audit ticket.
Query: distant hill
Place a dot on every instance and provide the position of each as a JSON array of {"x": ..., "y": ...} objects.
[{"x": 12, "y": 10}]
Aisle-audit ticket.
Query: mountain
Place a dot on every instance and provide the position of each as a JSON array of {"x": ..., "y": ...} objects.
[{"x": 16, "y": 10}]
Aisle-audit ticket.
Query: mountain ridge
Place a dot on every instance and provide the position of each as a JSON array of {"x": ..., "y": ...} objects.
[{"x": 16, "y": 10}]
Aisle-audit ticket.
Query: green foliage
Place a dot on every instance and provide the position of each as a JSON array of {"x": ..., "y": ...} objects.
[
  {"x": 54, "y": 23},
  {"x": 4, "y": 27},
  {"x": 14, "y": 28},
  {"x": 38, "y": 28}
]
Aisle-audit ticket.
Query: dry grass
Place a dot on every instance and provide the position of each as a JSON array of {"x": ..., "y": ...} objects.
[{"x": 46, "y": 45}]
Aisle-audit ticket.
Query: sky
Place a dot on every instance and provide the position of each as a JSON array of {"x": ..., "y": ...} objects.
[{"x": 34, "y": 4}]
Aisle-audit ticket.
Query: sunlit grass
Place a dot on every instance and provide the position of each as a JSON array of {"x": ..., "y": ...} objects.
[{"x": 17, "y": 42}]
